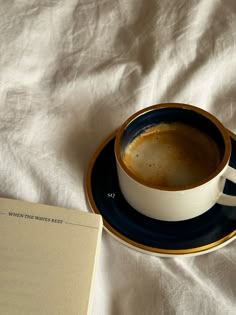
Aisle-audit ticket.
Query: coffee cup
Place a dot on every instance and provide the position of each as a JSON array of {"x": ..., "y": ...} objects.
[{"x": 173, "y": 160}]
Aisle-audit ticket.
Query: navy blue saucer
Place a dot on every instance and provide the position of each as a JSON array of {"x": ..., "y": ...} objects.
[{"x": 204, "y": 233}]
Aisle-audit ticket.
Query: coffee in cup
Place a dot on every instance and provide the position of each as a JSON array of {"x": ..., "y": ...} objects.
[
  {"x": 172, "y": 155},
  {"x": 173, "y": 161}
]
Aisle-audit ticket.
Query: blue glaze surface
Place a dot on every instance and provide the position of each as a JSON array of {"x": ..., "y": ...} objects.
[{"x": 210, "y": 227}]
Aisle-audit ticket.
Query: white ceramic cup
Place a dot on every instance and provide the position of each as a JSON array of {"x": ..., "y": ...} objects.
[{"x": 175, "y": 203}]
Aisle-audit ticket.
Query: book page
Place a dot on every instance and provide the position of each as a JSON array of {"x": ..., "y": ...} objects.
[{"x": 47, "y": 259}]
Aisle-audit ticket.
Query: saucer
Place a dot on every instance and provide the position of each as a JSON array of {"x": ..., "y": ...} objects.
[{"x": 203, "y": 234}]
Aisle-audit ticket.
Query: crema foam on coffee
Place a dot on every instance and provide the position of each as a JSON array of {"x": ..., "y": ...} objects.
[{"x": 171, "y": 155}]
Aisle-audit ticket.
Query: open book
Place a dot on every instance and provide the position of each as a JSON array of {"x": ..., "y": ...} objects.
[{"x": 47, "y": 259}]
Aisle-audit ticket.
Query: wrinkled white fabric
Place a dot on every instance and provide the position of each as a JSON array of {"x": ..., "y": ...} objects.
[{"x": 70, "y": 73}]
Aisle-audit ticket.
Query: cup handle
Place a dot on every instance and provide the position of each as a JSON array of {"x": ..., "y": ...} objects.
[{"x": 228, "y": 200}]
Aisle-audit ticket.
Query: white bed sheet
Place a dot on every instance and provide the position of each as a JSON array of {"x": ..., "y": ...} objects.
[{"x": 71, "y": 72}]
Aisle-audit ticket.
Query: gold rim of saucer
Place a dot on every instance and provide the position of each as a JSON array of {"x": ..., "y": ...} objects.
[
  {"x": 204, "y": 113},
  {"x": 137, "y": 245}
]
